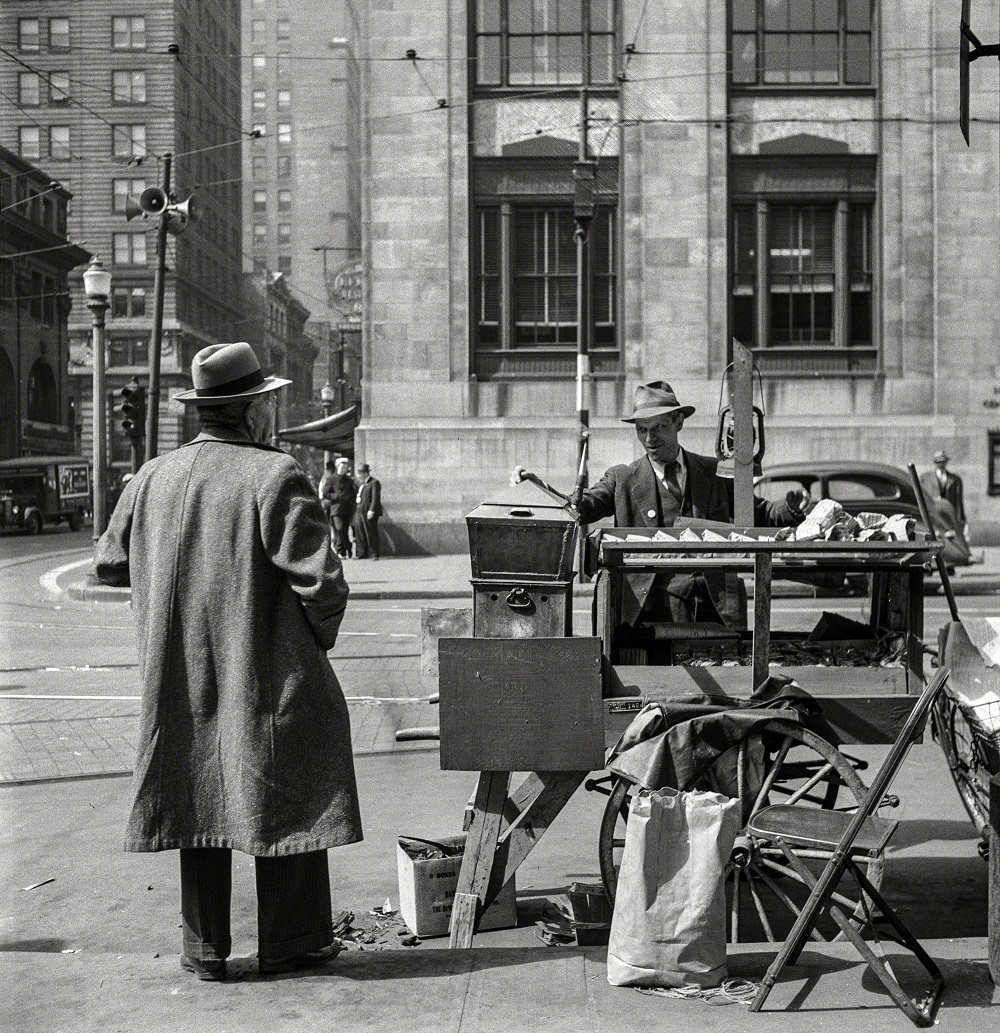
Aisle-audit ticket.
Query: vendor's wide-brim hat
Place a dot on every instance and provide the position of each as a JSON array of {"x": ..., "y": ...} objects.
[
  {"x": 655, "y": 399},
  {"x": 224, "y": 373}
]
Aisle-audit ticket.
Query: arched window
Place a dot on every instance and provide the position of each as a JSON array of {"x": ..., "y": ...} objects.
[{"x": 43, "y": 395}]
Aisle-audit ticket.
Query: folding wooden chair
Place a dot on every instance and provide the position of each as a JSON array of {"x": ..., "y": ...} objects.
[{"x": 851, "y": 836}]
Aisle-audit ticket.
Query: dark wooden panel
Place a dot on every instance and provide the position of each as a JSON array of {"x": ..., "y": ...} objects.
[
  {"x": 529, "y": 704},
  {"x": 993, "y": 924}
]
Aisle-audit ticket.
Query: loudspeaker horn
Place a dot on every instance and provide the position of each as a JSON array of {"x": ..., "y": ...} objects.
[
  {"x": 189, "y": 210},
  {"x": 132, "y": 209},
  {"x": 153, "y": 200}
]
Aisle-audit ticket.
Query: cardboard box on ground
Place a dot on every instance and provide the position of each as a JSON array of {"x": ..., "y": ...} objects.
[{"x": 427, "y": 887}]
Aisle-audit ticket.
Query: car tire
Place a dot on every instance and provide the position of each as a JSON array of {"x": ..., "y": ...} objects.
[
  {"x": 33, "y": 523},
  {"x": 75, "y": 521}
]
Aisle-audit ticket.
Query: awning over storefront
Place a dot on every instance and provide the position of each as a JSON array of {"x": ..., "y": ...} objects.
[{"x": 334, "y": 433}]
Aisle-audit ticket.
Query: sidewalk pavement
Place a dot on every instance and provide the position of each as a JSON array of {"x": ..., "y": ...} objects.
[
  {"x": 448, "y": 577},
  {"x": 90, "y": 936}
]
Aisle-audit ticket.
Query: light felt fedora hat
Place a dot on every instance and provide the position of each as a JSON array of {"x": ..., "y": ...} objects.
[
  {"x": 226, "y": 373},
  {"x": 655, "y": 399}
]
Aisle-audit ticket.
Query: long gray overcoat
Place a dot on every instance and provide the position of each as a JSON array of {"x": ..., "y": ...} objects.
[{"x": 244, "y": 735}]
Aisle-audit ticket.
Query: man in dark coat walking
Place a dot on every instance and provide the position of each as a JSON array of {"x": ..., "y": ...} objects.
[
  {"x": 369, "y": 509},
  {"x": 665, "y": 483},
  {"x": 244, "y": 734},
  {"x": 338, "y": 494}
]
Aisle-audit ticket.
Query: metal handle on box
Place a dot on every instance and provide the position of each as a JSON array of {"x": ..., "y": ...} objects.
[{"x": 518, "y": 599}]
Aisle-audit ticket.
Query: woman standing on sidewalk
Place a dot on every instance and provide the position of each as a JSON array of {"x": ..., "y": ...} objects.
[{"x": 244, "y": 735}]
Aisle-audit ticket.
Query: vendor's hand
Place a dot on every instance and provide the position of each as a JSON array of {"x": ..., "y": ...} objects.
[
  {"x": 518, "y": 474},
  {"x": 798, "y": 500},
  {"x": 576, "y": 499}
]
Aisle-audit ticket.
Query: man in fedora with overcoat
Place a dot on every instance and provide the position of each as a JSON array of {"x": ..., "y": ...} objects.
[
  {"x": 244, "y": 735},
  {"x": 665, "y": 483}
]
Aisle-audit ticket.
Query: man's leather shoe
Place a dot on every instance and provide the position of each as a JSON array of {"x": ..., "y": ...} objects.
[
  {"x": 213, "y": 971},
  {"x": 295, "y": 962}
]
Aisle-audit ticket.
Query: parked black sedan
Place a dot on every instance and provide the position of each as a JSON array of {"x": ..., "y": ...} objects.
[{"x": 867, "y": 488}]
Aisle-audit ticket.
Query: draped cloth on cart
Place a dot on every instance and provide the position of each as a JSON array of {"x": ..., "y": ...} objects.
[{"x": 692, "y": 743}]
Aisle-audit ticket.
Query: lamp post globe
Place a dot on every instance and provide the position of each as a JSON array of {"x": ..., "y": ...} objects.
[
  {"x": 326, "y": 397},
  {"x": 97, "y": 287}
]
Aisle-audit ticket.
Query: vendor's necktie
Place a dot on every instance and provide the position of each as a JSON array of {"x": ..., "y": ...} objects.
[{"x": 671, "y": 481}]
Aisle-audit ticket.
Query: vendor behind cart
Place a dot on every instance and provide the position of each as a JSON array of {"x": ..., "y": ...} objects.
[{"x": 666, "y": 483}]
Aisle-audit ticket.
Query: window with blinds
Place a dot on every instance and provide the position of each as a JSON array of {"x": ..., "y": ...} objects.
[
  {"x": 540, "y": 273},
  {"x": 813, "y": 270}
]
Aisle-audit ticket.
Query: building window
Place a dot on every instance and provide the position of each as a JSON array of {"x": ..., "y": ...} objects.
[
  {"x": 59, "y": 34},
  {"x": 284, "y": 100},
  {"x": 258, "y": 166},
  {"x": 801, "y": 42},
  {"x": 129, "y": 248},
  {"x": 539, "y": 265},
  {"x": 284, "y": 29},
  {"x": 128, "y": 87},
  {"x": 258, "y": 27},
  {"x": 284, "y": 200},
  {"x": 122, "y": 190},
  {"x": 28, "y": 35},
  {"x": 281, "y": 64},
  {"x": 259, "y": 235},
  {"x": 284, "y": 166},
  {"x": 43, "y": 395},
  {"x": 285, "y": 264},
  {"x": 59, "y": 142},
  {"x": 29, "y": 89},
  {"x": 128, "y": 302},
  {"x": 128, "y": 351},
  {"x": 284, "y": 132},
  {"x": 58, "y": 87},
  {"x": 520, "y": 44},
  {"x": 128, "y": 33},
  {"x": 817, "y": 294},
  {"x": 128, "y": 141},
  {"x": 284, "y": 233},
  {"x": 259, "y": 64},
  {"x": 29, "y": 142},
  {"x": 259, "y": 100},
  {"x": 260, "y": 130},
  {"x": 993, "y": 444},
  {"x": 259, "y": 202}
]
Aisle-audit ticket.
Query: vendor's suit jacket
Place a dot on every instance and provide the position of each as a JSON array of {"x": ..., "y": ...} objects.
[{"x": 629, "y": 494}]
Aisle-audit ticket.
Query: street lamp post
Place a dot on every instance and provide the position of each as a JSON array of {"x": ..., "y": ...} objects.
[
  {"x": 97, "y": 287},
  {"x": 326, "y": 397}
]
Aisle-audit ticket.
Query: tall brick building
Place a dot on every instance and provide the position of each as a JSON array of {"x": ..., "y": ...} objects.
[
  {"x": 97, "y": 93},
  {"x": 788, "y": 173},
  {"x": 301, "y": 179}
]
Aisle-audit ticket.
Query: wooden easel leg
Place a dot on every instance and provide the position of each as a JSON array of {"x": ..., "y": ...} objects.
[{"x": 480, "y": 853}]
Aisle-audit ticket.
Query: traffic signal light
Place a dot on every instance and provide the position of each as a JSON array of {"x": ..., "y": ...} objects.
[{"x": 132, "y": 410}]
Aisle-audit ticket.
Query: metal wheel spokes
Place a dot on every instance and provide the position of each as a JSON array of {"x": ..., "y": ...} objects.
[
  {"x": 955, "y": 737},
  {"x": 764, "y": 892}
]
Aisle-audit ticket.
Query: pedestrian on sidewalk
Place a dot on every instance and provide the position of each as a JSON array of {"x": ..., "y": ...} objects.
[
  {"x": 342, "y": 492},
  {"x": 941, "y": 483},
  {"x": 369, "y": 509},
  {"x": 244, "y": 734}
]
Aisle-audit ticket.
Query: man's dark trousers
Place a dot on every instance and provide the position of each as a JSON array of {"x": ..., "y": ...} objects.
[
  {"x": 293, "y": 903},
  {"x": 366, "y": 541}
]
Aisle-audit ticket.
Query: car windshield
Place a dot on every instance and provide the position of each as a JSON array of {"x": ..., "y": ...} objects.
[{"x": 774, "y": 489}]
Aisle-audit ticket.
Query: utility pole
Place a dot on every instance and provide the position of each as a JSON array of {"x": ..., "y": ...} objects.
[
  {"x": 156, "y": 338},
  {"x": 584, "y": 179}
]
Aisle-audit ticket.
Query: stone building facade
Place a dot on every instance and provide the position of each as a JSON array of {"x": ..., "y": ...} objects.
[
  {"x": 35, "y": 261},
  {"x": 100, "y": 92},
  {"x": 790, "y": 174}
]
